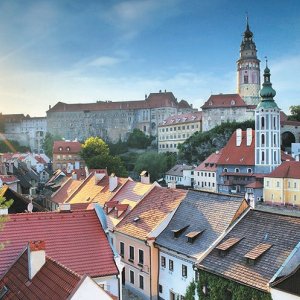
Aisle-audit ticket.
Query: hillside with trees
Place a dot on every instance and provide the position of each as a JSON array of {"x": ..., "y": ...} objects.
[{"x": 201, "y": 144}]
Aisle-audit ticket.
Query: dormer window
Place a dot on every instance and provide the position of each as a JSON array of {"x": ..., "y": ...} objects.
[
  {"x": 178, "y": 232},
  {"x": 232, "y": 102},
  {"x": 210, "y": 103},
  {"x": 255, "y": 253},
  {"x": 68, "y": 149},
  {"x": 60, "y": 149},
  {"x": 191, "y": 236},
  {"x": 224, "y": 247}
]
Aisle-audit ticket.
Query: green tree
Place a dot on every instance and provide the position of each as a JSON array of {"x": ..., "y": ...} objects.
[
  {"x": 4, "y": 203},
  {"x": 138, "y": 139},
  {"x": 48, "y": 143},
  {"x": 12, "y": 146},
  {"x": 295, "y": 113},
  {"x": 96, "y": 154},
  {"x": 118, "y": 148},
  {"x": 201, "y": 144},
  {"x": 93, "y": 146},
  {"x": 153, "y": 162}
]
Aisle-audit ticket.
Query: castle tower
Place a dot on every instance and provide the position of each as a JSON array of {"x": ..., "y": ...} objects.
[
  {"x": 267, "y": 129},
  {"x": 248, "y": 70}
]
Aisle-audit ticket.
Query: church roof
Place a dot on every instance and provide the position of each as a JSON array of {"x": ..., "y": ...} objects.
[{"x": 224, "y": 101}]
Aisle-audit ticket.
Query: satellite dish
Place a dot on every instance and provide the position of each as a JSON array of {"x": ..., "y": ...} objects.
[{"x": 30, "y": 207}]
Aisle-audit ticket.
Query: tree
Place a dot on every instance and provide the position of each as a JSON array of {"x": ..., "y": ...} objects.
[
  {"x": 155, "y": 163},
  {"x": 48, "y": 143},
  {"x": 201, "y": 144},
  {"x": 93, "y": 146},
  {"x": 138, "y": 139},
  {"x": 12, "y": 146},
  {"x": 96, "y": 154},
  {"x": 295, "y": 113},
  {"x": 118, "y": 148},
  {"x": 3, "y": 218}
]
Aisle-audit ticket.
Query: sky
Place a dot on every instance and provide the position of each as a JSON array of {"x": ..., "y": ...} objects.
[{"x": 84, "y": 51}]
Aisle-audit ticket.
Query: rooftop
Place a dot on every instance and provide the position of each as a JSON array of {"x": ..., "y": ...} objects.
[
  {"x": 183, "y": 118},
  {"x": 287, "y": 169},
  {"x": 224, "y": 101},
  {"x": 177, "y": 170}
]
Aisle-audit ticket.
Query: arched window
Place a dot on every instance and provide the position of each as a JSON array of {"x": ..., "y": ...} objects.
[
  {"x": 274, "y": 139},
  {"x": 262, "y": 139},
  {"x": 274, "y": 122},
  {"x": 275, "y": 160},
  {"x": 262, "y": 122},
  {"x": 262, "y": 156}
]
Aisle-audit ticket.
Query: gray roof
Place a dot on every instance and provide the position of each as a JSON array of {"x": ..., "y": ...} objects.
[
  {"x": 177, "y": 170},
  {"x": 257, "y": 227},
  {"x": 200, "y": 210}
]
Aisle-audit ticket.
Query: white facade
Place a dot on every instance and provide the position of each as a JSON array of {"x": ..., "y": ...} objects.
[
  {"x": 173, "y": 281},
  {"x": 280, "y": 295},
  {"x": 109, "y": 283},
  {"x": 186, "y": 179},
  {"x": 205, "y": 180}
]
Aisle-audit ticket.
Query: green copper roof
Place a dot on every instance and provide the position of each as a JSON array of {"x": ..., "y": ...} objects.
[{"x": 267, "y": 92}]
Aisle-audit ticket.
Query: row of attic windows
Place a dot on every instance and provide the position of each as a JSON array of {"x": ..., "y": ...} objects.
[{"x": 187, "y": 127}]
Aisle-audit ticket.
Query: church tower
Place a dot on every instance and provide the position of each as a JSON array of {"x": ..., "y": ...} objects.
[
  {"x": 248, "y": 70},
  {"x": 267, "y": 129}
]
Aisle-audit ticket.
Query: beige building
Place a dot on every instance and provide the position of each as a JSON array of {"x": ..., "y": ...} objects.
[
  {"x": 176, "y": 129},
  {"x": 282, "y": 186}
]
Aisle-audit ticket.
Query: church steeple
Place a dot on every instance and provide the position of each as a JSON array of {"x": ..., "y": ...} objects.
[
  {"x": 267, "y": 128},
  {"x": 248, "y": 69}
]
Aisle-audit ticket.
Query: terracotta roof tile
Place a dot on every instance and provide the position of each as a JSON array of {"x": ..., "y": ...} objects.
[
  {"x": 75, "y": 239},
  {"x": 66, "y": 147},
  {"x": 282, "y": 232},
  {"x": 224, "y": 100},
  {"x": 53, "y": 280},
  {"x": 8, "y": 179},
  {"x": 182, "y": 118},
  {"x": 150, "y": 212},
  {"x": 210, "y": 164},
  {"x": 288, "y": 169}
]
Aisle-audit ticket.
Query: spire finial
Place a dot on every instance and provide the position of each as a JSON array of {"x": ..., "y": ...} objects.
[
  {"x": 247, "y": 20},
  {"x": 266, "y": 58}
]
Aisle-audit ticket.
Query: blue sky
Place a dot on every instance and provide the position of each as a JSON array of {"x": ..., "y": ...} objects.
[{"x": 83, "y": 51}]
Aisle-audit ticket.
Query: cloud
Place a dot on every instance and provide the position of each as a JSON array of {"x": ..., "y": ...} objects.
[{"x": 105, "y": 61}]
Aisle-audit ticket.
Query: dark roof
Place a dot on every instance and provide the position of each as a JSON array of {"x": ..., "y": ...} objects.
[
  {"x": 225, "y": 101},
  {"x": 200, "y": 210},
  {"x": 257, "y": 227},
  {"x": 52, "y": 281},
  {"x": 177, "y": 170},
  {"x": 290, "y": 283},
  {"x": 75, "y": 239}
]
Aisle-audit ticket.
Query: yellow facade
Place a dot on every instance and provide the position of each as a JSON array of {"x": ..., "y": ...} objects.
[{"x": 282, "y": 191}]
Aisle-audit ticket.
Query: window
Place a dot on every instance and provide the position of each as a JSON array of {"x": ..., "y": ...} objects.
[
  {"x": 122, "y": 249},
  {"x": 295, "y": 184},
  {"x": 131, "y": 276},
  {"x": 171, "y": 265},
  {"x": 262, "y": 156},
  {"x": 225, "y": 170},
  {"x": 268, "y": 182},
  {"x": 277, "y": 184},
  {"x": 237, "y": 170},
  {"x": 184, "y": 271},
  {"x": 246, "y": 79},
  {"x": 160, "y": 288},
  {"x": 249, "y": 170},
  {"x": 262, "y": 122},
  {"x": 141, "y": 257},
  {"x": 163, "y": 261},
  {"x": 262, "y": 139},
  {"x": 141, "y": 282},
  {"x": 131, "y": 253}
]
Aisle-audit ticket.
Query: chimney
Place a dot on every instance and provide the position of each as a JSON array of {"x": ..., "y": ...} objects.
[
  {"x": 249, "y": 136},
  {"x": 238, "y": 137},
  {"x": 74, "y": 176},
  {"x": 99, "y": 175},
  {"x": 145, "y": 177},
  {"x": 113, "y": 182},
  {"x": 49, "y": 107},
  {"x": 64, "y": 207},
  {"x": 3, "y": 211},
  {"x": 36, "y": 257},
  {"x": 145, "y": 96},
  {"x": 172, "y": 185}
]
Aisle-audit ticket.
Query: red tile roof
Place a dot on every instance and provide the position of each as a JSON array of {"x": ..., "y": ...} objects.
[
  {"x": 154, "y": 100},
  {"x": 8, "y": 179},
  {"x": 53, "y": 280},
  {"x": 288, "y": 169},
  {"x": 290, "y": 123},
  {"x": 238, "y": 155},
  {"x": 66, "y": 147},
  {"x": 210, "y": 164},
  {"x": 75, "y": 239},
  {"x": 68, "y": 187},
  {"x": 286, "y": 157},
  {"x": 183, "y": 118},
  {"x": 255, "y": 185},
  {"x": 224, "y": 100},
  {"x": 40, "y": 159},
  {"x": 150, "y": 212}
]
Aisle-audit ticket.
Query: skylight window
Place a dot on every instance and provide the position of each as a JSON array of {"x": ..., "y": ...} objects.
[
  {"x": 136, "y": 219},
  {"x": 3, "y": 291}
]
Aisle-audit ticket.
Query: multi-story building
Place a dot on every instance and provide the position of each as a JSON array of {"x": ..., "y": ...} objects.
[
  {"x": 237, "y": 107},
  {"x": 113, "y": 120},
  {"x": 282, "y": 186},
  {"x": 180, "y": 175},
  {"x": 66, "y": 156},
  {"x": 176, "y": 129},
  {"x": 28, "y": 131},
  {"x": 205, "y": 175}
]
